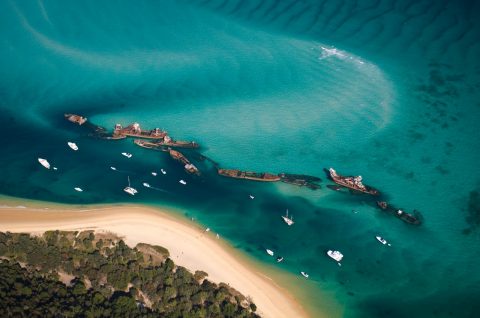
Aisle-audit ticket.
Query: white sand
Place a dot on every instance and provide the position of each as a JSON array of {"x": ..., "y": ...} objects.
[{"x": 189, "y": 246}]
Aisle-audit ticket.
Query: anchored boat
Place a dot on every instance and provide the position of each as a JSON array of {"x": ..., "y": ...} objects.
[
  {"x": 129, "y": 189},
  {"x": 288, "y": 220},
  {"x": 382, "y": 240},
  {"x": 72, "y": 145},
  {"x": 336, "y": 255},
  {"x": 44, "y": 163}
]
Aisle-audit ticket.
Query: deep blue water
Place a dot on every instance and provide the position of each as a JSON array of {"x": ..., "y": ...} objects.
[{"x": 385, "y": 89}]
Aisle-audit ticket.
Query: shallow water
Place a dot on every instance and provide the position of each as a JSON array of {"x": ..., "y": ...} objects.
[{"x": 386, "y": 89}]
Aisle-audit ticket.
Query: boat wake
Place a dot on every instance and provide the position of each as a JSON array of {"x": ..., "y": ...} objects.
[{"x": 147, "y": 185}]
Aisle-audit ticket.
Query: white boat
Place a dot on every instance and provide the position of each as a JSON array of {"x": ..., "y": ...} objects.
[
  {"x": 304, "y": 274},
  {"x": 129, "y": 189},
  {"x": 154, "y": 174},
  {"x": 163, "y": 171},
  {"x": 72, "y": 145},
  {"x": 183, "y": 182},
  {"x": 336, "y": 255},
  {"x": 78, "y": 189},
  {"x": 382, "y": 240},
  {"x": 113, "y": 168},
  {"x": 269, "y": 252},
  {"x": 146, "y": 185},
  {"x": 44, "y": 163},
  {"x": 207, "y": 229},
  {"x": 288, "y": 220},
  {"x": 126, "y": 154},
  {"x": 55, "y": 168},
  {"x": 279, "y": 259},
  {"x": 251, "y": 197}
]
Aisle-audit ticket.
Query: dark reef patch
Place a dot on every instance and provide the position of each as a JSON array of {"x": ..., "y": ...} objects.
[{"x": 473, "y": 210}]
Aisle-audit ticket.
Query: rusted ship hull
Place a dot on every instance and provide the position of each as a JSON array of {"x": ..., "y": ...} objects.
[
  {"x": 134, "y": 130},
  {"x": 188, "y": 166},
  {"x": 160, "y": 145},
  {"x": 345, "y": 181},
  {"x": 150, "y": 145},
  {"x": 414, "y": 218},
  {"x": 143, "y": 135},
  {"x": 253, "y": 176},
  {"x": 77, "y": 119},
  {"x": 301, "y": 180}
]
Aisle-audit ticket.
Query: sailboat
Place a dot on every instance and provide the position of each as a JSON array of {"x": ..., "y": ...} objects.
[
  {"x": 129, "y": 189},
  {"x": 288, "y": 220}
]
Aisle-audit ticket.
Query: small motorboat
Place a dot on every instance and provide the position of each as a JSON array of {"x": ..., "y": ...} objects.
[
  {"x": 72, "y": 145},
  {"x": 269, "y": 252},
  {"x": 55, "y": 168},
  {"x": 126, "y": 154},
  {"x": 279, "y": 259},
  {"x": 382, "y": 240},
  {"x": 183, "y": 182},
  {"x": 163, "y": 171},
  {"x": 78, "y": 189},
  {"x": 44, "y": 163},
  {"x": 304, "y": 274},
  {"x": 251, "y": 197},
  {"x": 146, "y": 185},
  {"x": 154, "y": 174},
  {"x": 336, "y": 255},
  {"x": 113, "y": 168}
]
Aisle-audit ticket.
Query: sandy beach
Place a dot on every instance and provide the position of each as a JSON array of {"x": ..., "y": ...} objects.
[{"x": 189, "y": 246}]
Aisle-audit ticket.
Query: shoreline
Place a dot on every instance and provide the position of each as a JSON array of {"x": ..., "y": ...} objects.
[{"x": 189, "y": 245}]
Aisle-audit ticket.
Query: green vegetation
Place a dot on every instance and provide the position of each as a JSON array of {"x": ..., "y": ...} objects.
[{"x": 88, "y": 275}]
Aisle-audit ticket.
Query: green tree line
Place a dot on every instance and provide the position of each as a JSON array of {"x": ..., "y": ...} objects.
[{"x": 72, "y": 274}]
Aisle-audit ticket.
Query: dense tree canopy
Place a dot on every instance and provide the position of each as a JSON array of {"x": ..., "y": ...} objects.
[{"x": 87, "y": 275}]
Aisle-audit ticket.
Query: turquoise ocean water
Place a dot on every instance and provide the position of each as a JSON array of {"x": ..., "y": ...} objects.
[{"x": 385, "y": 89}]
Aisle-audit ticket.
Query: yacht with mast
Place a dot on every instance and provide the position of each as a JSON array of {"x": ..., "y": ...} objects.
[
  {"x": 129, "y": 189},
  {"x": 288, "y": 220}
]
